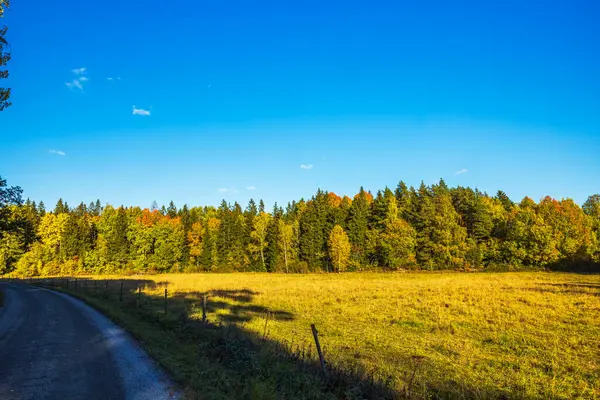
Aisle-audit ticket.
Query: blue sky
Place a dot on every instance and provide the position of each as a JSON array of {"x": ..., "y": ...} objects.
[{"x": 196, "y": 101}]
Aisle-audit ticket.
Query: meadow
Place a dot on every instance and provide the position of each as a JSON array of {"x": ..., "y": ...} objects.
[{"x": 404, "y": 335}]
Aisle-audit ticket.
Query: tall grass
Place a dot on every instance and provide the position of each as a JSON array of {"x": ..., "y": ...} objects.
[{"x": 450, "y": 335}]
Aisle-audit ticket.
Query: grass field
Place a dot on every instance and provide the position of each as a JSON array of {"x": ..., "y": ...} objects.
[{"x": 423, "y": 335}]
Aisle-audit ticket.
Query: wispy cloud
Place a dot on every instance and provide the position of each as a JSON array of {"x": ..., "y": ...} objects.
[
  {"x": 111, "y": 78},
  {"x": 57, "y": 152},
  {"x": 306, "y": 166},
  {"x": 250, "y": 188},
  {"x": 461, "y": 171},
  {"x": 75, "y": 83},
  {"x": 78, "y": 81},
  {"x": 140, "y": 111}
]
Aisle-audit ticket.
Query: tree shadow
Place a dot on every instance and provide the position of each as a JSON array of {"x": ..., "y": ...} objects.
[
  {"x": 586, "y": 288},
  {"x": 222, "y": 359},
  {"x": 583, "y": 266},
  {"x": 219, "y": 356}
]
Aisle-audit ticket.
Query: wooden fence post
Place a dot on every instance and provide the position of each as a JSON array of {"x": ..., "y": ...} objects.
[
  {"x": 321, "y": 358},
  {"x": 75, "y": 284},
  {"x": 139, "y": 299},
  {"x": 121, "y": 293},
  {"x": 204, "y": 309},
  {"x": 165, "y": 302},
  {"x": 106, "y": 288}
]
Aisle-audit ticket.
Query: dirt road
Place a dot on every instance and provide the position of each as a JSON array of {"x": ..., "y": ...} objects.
[{"x": 53, "y": 346}]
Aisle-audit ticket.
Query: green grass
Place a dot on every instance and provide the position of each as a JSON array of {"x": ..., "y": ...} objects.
[{"x": 422, "y": 335}]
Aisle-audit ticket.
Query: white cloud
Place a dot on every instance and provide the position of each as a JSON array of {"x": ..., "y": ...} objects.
[
  {"x": 223, "y": 190},
  {"x": 250, "y": 188},
  {"x": 461, "y": 171},
  {"x": 80, "y": 78},
  {"x": 110, "y": 78},
  {"x": 140, "y": 111},
  {"x": 306, "y": 166},
  {"x": 79, "y": 71},
  {"x": 57, "y": 152},
  {"x": 75, "y": 83}
]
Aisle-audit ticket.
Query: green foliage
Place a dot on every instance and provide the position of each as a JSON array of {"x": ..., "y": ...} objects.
[
  {"x": 4, "y": 58},
  {"x": 397, "y": 245},
  {"x": 358, "y": 225},
  {"x": 11, "y": 248},
  {"x": 434, "y": 228}
]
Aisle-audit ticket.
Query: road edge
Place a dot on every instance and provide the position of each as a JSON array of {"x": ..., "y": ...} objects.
[{"x": 143, "y": 376}]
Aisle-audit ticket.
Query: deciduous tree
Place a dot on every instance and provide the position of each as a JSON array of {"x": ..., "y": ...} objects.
[{"x": 339, "y": 248}]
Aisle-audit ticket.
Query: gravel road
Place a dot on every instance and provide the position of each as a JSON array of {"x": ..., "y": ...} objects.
[{"x": 53, "y": 346}]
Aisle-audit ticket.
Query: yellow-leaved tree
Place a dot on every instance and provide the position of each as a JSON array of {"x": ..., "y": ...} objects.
[
  {"x": 259, "y": 236},
  {"x": 339, "y": 248},
  {"x": 286, "y": 235}
]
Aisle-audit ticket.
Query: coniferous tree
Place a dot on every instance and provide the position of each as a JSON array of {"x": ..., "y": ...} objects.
[
  {"x": 314, "y": 233},
  {"x": 272, "y": 253},
  {"x": 171, "y": 210},
  {"x": 505, "y": 200},
  {"x": 61, "y": 207},
  {"x": 358, "y": 226},
  {"x": 41, "y": 209}
]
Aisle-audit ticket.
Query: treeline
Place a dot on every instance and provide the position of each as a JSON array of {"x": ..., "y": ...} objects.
[{"x": 433, "y": 228}]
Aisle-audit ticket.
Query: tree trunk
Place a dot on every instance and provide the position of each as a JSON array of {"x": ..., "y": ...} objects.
[{"x": 285, "y": 257}]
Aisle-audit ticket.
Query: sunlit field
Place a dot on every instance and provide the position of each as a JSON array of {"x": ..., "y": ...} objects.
[{"x": 486, "y": 335}]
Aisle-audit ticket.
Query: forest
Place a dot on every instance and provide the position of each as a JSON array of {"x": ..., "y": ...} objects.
[{"x": 432, "y": 227}]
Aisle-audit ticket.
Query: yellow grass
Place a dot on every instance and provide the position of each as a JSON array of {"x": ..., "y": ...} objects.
[{"x": 487, "y": 335}]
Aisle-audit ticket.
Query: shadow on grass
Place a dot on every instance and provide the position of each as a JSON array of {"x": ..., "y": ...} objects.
[
  {"x": 573, "y": 288},
  {"x": 220, "y": 359}
]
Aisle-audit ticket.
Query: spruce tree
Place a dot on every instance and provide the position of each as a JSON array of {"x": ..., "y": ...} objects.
[
  {"x": 358, "y": 225},
  {"x": 41, "y": 209},
  {"x": 61, "y": 207},
  {"x": 171, "y": 210}
]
